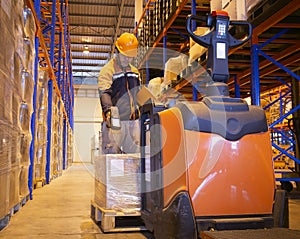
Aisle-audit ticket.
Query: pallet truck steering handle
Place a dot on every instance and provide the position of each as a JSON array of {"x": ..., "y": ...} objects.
[
  {"x": 237, "y": 42},
  {"x": 205, "y": 40}
]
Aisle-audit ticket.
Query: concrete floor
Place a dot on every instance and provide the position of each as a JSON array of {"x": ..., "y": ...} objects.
[{"x": 62, "y": 210}]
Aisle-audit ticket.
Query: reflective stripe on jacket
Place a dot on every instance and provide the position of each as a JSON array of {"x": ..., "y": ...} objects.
[{"x": 122, "y": 88}]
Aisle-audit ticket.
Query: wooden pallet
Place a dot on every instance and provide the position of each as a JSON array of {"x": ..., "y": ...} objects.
[
  {"x": 39, "y": 182},
  {"x": 20, "y": 204},
  {"x": 116, "y": 221},
  {"x": 24, "y": 200},
  {"x": 4, "y": 221}
]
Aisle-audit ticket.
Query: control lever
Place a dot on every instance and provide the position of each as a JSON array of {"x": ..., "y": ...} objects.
[{"x": 218, "y": 40}]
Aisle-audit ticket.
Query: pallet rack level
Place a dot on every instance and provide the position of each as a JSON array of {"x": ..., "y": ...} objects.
[
  {"x": 53, "y": 55},
  {"x": 261, "y": 63},
  {"x": 255, "y": 90}
]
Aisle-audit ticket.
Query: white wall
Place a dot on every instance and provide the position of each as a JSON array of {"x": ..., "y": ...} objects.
[{"x": 87, "y": 123}]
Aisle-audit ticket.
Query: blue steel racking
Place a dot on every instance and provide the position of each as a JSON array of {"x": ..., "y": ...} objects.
[
  {"x": 240, "y": 77},
  {"x": 256, "y": 50},
  {"x": 52, "y": 45}
]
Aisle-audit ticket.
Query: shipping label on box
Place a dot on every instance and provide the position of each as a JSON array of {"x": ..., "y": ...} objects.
[{"x": 117, "y": 181}]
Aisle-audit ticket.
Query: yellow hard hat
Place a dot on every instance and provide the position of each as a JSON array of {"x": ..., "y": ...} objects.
[{"x": 127, "y": 44}]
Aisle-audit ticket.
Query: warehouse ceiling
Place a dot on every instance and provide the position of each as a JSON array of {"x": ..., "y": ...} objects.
[{"x": 95, "y": 24}]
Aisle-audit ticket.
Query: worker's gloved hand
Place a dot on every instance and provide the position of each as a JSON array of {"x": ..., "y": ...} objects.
[{"x": 108, "y": 119}]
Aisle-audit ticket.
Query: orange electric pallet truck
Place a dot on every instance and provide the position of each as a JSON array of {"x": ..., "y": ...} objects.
[{"x": 207, "y": 165}]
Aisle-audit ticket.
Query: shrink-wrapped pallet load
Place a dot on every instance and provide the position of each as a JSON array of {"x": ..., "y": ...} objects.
[
  {"x": 69, "y": 146},
  {"x": 6, "y": 95},
  {"x": 41, "y": 127},
  {"x": 15, "y": 166},
  {"x": 5, "y": 167},
  {"x": 56, "y": 137},
  {"x": 117, "y": 182},
  {"x": 25, "y": 140},
  {"x": 23, "y": 182},
  {"x": 16, "y": 91}
]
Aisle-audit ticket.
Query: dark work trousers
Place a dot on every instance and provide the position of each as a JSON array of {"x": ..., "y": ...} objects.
[{"x": 126, "y": 140}]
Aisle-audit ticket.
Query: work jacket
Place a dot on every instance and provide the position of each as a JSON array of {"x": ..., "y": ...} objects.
[{"x": 119, "y": 89}]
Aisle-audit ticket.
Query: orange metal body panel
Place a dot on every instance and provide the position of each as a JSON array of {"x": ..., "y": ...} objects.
[
  {"x": 230, "y": 177},
  {"x": 173, "y": 154}
]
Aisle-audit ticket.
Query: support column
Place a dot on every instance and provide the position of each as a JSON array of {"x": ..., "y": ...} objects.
[
  {"x": 296, "y": 123},
  {"x": 237, "y": 90},
  {"x": 255, "y": 87},
  {"x": 50, "y": 93},
  {"x": 33, "y": 116}
]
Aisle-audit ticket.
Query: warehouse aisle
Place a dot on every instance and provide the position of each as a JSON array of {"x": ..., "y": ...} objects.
[{"x": 61, "y": 210}]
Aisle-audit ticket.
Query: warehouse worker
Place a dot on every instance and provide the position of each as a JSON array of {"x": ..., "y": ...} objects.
[{"x": 118, "y": 84}]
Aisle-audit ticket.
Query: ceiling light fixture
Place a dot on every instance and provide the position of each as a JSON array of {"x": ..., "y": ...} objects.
[{"x": 86, "y": 50}]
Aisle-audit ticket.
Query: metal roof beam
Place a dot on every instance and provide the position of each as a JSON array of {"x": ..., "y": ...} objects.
[
  {"x": 288, "y": 9},
  {"x": 106, "y": 4},
  {"x": 88, "y": 58},
  {"x": 90, "y": 43},
  {"x": 91, "y": 35},
  {"x": 85, "y": 64},
  {"x": 118, "y": 26},
  {"x": 98, "y": 25},
  {"x": 85, "y": 70},
  {"x": 91, "y": 51},
  {"x": 96, "y": 15}
]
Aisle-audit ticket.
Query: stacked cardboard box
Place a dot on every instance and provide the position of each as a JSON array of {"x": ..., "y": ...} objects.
[
  {"x": 41, "y": 127},
  {"x": 16, "y": 90},
  {"x": 56, "y": 137},
  {"x": 117, "y": 182},
  {"x": 69, "y": 147},
  {"x": 25, "y": 83}
]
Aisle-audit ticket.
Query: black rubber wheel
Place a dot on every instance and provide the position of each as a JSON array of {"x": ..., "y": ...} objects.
[{"x": 288, "y": 186}]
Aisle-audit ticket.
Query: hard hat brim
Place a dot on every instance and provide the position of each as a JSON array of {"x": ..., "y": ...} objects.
[{"x": 129, "y": 53}]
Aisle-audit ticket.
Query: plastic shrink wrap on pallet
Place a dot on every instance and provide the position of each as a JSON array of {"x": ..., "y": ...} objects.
[
  {"x": 56, "y": 137},
  {"x": 24, "y": 116},
  {"x": 16, "y": 89},
  {"x": 6, "y": 41},
  {"x": 25, "y": 140},
  {"x": 23, "y": 182},
  {"x": 29, "y": 37},
  {"x": 117, "y": 182},
  {"x": 15, "y": 167},
  {"x": 69, "y": 146},
  {"x": 5, "y": 167},
  {"x": 6, "y": 96},
  {"x": 41, "y": 127},
  {"x": 27, "y": 85}
]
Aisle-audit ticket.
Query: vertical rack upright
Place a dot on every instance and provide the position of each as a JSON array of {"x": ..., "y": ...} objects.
[
  {"x": 53, "y": 56},
  {"x": 291, "y": 152}
]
